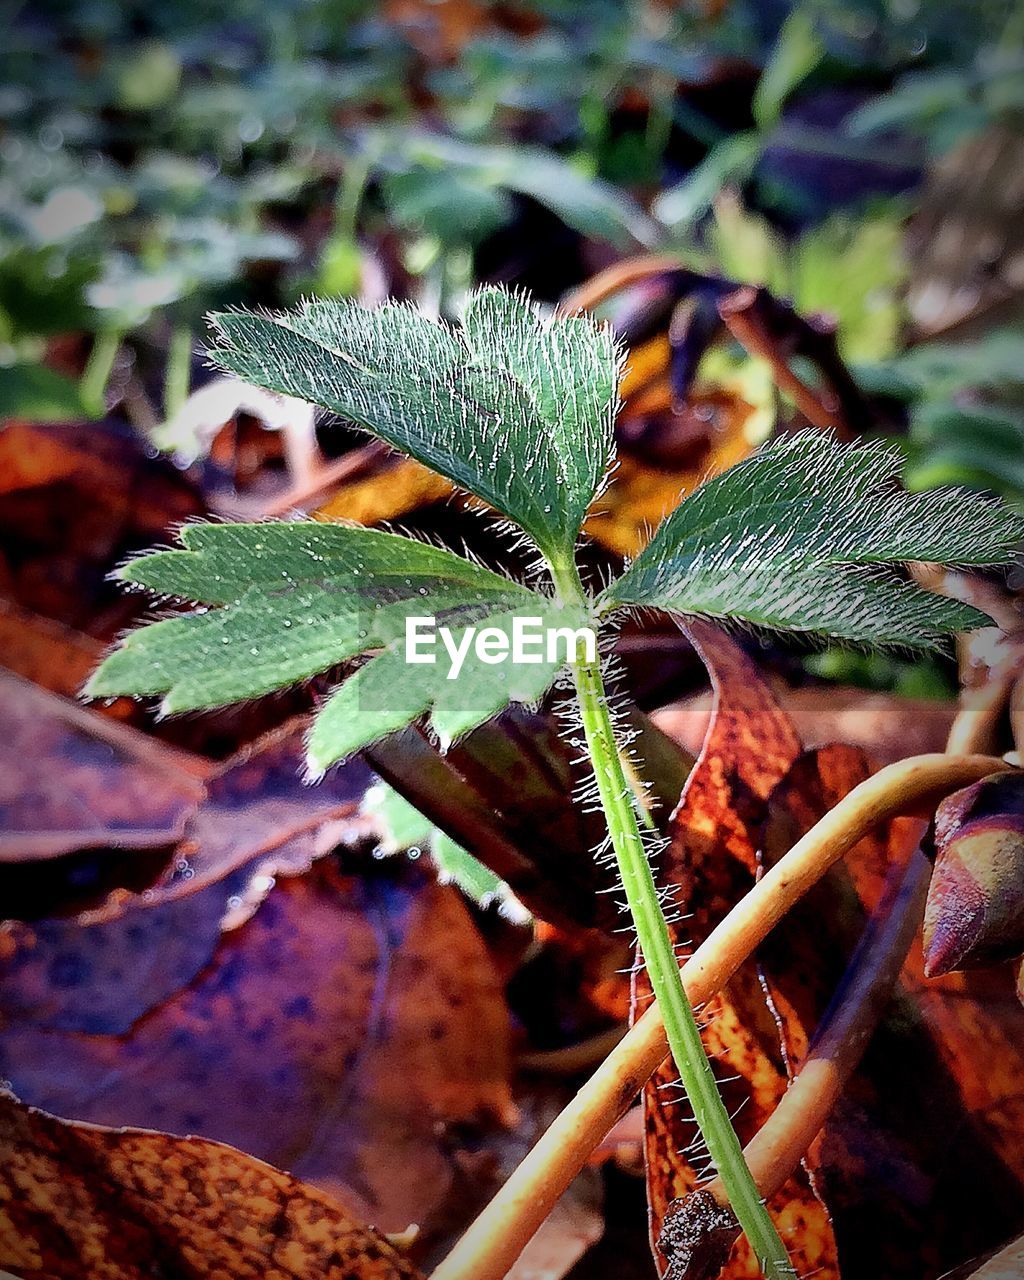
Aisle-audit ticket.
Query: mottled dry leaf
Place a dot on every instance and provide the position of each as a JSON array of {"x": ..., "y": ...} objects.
[
  {"x": 338, "y": 1033},
  {"x": 70, "y": 779},
  {"x": 887, "y": 726},
  {"x": 62, "y": 975},
  {"x": 918, "y": 1163},
  {"x": 711, "y": 862},
  {"x": 260, "y": 814},
  {"x": 78, "y": 1202}
]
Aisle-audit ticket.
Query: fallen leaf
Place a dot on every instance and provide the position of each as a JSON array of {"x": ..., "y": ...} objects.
[
  {"x": 259, "y": 813},
  {"x": 116, "y": 786},
  {"x": 75, "y": 500},
  {"x": 62, "y": 975},
  {"x": 885, "y": 725},
  {"x": 340, "y": 1032},
  {"x": 52, "y": 656},
  {"x": 78, "y": 1202},
  {"x": 397, "y": 487}
]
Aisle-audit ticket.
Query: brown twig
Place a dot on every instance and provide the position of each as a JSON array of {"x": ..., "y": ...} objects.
[
  {"x": 766, "y": 327},
  {"x": 348, "y": 467},
  {"x": 493, "y": 1242},
  {"x": 783, "y": 1140},
  {"x": 619, "y": 276}
]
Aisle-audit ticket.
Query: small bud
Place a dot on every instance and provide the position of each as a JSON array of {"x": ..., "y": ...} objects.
[{"x": 975, "y": 911}]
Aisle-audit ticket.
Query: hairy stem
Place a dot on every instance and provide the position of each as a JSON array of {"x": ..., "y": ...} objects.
[
  {"x": 495, "y": 1240},
  {"x": 662, "y": 964}
]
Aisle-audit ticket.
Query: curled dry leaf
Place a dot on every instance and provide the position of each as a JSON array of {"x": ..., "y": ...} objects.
[
  {"x": 258, "y": 813},
  {"x": 975, "y": 911},
  {"x": 121, "y": 789},
  {"x": 342, "y": 1032},
  {"x": 79, "y": 1202},
  {"x": 889, "y": 727}
]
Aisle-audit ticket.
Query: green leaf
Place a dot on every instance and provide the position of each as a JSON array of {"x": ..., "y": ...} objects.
[
  {"x": 290, "y": 601},
  {"x": 591, "y": 206},
  {"x": 407, "y": 828},
  {"x": 796, "y": 53},
  {"x": 294, "y": 600},
  {"x": 514, "y": 408},
  {"x": 390, "y": 691},
  {"x": 803, "y": 536},
  {"x": 36, "y": 393},
  {"x": 729, "y": 163}
]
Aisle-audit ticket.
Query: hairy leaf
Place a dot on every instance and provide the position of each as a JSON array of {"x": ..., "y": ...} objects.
[
  {"x": 514, "y": 408},
  {"x": 289, "y": 601},
  {"x": 803, "y": 537},
  {"x": 389, "y": 691},
  {"x": 407, "y": 828}
]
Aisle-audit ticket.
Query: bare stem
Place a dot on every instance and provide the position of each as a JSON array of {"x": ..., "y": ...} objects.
[{"x": 494, "y": 1241}]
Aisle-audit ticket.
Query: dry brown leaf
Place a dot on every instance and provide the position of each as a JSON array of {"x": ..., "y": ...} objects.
[
  {"x": 338, "y": 1033},
  {"x": 75, "y": 500},
  {"x": 71, "y": 779},
  {"x": 258, "y": 812},
  {"x": 78, "y": 1202},
  {"x": 395, "y": 488}
]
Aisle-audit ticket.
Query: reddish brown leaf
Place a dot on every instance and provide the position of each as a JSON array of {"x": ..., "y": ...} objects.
[
  {"x": 70, "y": 779},
  {"x": 711, "y": 862},
  {"x": 74, "y": 500},
  {"x": 79, "y": 1202},
  {"x": 258, "y": 813},
  {"x": 59, "y": 974},
  {"x": 338, "y": 1033}
]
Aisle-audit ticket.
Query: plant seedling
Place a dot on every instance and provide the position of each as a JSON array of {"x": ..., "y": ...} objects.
[{"x": 805, "y": 536}]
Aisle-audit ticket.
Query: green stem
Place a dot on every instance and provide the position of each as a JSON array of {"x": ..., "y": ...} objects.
[
  {"x": 93, "y": 383},
  {"x": 178, "y": 370},
  {"x": 662, "y": 963}
]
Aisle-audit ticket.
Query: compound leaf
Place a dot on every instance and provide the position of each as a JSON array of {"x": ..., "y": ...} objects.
[
  {"x": 288, "y": 601},
  {"x": 514, "y": 408},
  {"x": 390, "y": 691},
  {"x": 804, "y": 536}
]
